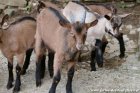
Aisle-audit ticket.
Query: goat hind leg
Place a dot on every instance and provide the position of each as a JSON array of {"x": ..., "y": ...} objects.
[
  {"x": 92, "y": 63},
  {"x": 50, "y": 63},
  {"x": 11, "y": 77},
  {"x": 122, "y": 45},
  {"x": 27, "y": 61},
  {"x": 43, "y": 66},
  {"x": 20, "y": 59}
]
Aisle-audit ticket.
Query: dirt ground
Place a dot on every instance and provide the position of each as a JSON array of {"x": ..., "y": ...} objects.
[{"x": 117, "y": 75}]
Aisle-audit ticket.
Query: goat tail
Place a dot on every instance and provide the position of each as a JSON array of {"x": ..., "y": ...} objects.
[{"x": 40, "y": 6}]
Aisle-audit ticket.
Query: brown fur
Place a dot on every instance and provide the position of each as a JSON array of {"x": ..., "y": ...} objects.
[
  {"x": 15, "y": 41},
  {"x": 59, "y": 36},
  {"x": 17, "y": 38}
]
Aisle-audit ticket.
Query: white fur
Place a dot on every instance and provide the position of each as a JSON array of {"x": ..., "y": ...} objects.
[
  {"x": 98, "y": 31},
  {"x": 75, "y": 12}
]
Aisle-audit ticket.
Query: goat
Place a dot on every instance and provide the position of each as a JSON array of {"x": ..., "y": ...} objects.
[
  {"x": 116, "y": 21},
  {"x": 17, "y": 39},
  {"x": 56, "y": 34},
  {"x": 94, "y": 34}
]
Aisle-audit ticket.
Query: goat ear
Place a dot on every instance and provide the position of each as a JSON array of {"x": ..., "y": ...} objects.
[
  {"x": 92, "y": 23},
  {"x": 124, "y": 15},
  {"x": 40, "y": 6},
  {"x": 107, "y": 17},
  {"x": 4, "y": 18},
  {"x": 65, "y": 24}
]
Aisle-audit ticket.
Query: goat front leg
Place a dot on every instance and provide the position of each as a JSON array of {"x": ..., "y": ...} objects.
[
  {"x": 104, "y": 44},
  {"x": 20, "y": 61},
  {"x": 122, "y": 45},
  {"x": 11, "y": 77},
  {"x": 98, "y": 53},
  {"x": 50, "y": 63},
  {"x": 92, "y": 59},
  {"x": 71, "y": 70},
  {"x": 43, "y": 66},
  {"x": 58, "y": 60},
  {"x": 39, "y": 50},
  {"x": 27, "y": 61}
]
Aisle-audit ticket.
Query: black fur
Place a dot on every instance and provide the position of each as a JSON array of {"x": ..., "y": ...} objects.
[
  {"x": 92, "y": 59},
  {"x": 56, "y": 80},
  {"x": 69, "y": 81},
  {"x": 27, "y": 61},
  {"x": 98, "y": 55},
  {"x": 43, "y": 66},
  {"x": 58, "y": 14},
  {"x": 50, "y": 63},
  {"x": 18, "y": 81},
  {"x": 122, "y": 45},
  {"x": 104, "y": 44},
  {"x": 38, "y": 72},
  {"x": 23, "y": 19},
  {"x": 11, "y": 78}
]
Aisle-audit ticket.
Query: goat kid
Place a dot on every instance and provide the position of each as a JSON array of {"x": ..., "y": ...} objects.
[
  {"x": 116, "y": 21},
  {"x": 17, "y": 39},
  {"x": 61, "y": 37}
]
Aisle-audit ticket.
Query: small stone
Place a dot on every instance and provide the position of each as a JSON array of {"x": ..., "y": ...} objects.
[
  {"x": 10, "y": 12},
  {"x": 129, "y": 27},
  {"x": 138, "y": 29},
  {"x": 132, "y": 32},
  {"x": 126, "y": 38}
]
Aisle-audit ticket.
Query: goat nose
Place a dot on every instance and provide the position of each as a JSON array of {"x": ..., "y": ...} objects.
[{"x": 79, "y": 46}]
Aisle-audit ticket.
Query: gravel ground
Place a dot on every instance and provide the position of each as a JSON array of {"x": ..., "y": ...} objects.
[{"x": 117, "y": 75}]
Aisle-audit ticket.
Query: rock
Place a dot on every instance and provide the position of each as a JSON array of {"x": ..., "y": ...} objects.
[
  {"x": 20, "y": 3},
  {"x": 2, "y": 6},
  {"x": 129, "y": 27},
  {"x": 131, "y": 45},
  {"x": 125, "y": 38},
  {"x": 138, "y": 30},
  {"x": 10, "y": 12},
  {"x": 132, "y": 32}
]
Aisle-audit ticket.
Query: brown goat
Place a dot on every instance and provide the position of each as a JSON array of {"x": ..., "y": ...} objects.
[
  {"x": 61, "y": 37},
  {"x": 17, "y": 40}
]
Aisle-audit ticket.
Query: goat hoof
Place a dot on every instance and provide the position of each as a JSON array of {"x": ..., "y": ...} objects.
[
  {"x": 69, "y": 91},
  {"x": 38, "y": 83},
  {"x": 42, "y": 76},
  {"x": 51, "y": 75},
  {"x": 100, "y": 65},
  {"x": 121, "y": 55},
  {"x": 93, "y": 69},
  {"x": 16, "y": 89},
  {"x": 23, "y": 72},
  {"x": 9, "y": 85}
]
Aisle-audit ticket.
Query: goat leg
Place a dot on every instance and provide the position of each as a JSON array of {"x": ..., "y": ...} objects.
[
  {"x": 27, "y": 61},
  {"x": 38, "y": 71},
  {"x": 50, "y": 63},
  {"x": 98, "y": 53},
  {"x": 18, "y": 81},
  {"x": 11, "y": 78},
  {"x": 92, "y": 63},
  {"x": 71, "y": 71},
  {"x": 58, "y": 60},
  {"x": 122, "y": 45},
  {"x": 43, "y": 66}
]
